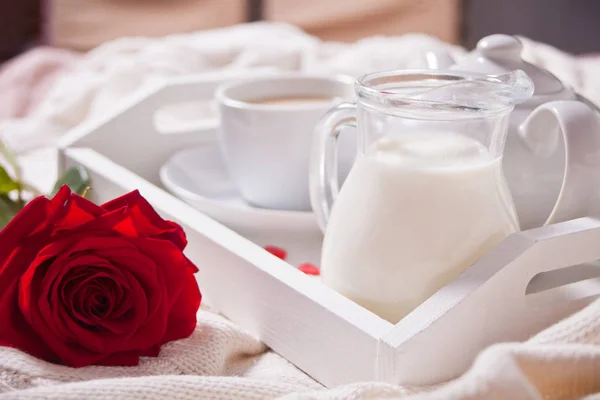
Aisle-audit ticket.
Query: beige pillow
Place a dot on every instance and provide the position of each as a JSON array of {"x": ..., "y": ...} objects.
[
  {"x": 350, "y": 20},
  {"x": 83, "y": 24}
]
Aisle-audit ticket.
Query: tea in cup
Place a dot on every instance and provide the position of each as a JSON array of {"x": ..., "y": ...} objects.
[{"x": 266, "y": 134}]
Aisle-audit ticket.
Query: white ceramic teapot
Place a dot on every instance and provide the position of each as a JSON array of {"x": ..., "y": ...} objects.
[{"x": 551, "y": 161}]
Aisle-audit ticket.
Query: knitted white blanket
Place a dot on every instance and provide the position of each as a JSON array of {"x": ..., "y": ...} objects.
[{"x": 220, "y": 361}]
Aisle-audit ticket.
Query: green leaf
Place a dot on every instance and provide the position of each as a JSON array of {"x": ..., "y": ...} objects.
[
  {"x": 8, "y": 209},
  {"x": 76, "y": 178},
  {"x": 11, "y": 159},
  {"x": 7, "y": 184}
]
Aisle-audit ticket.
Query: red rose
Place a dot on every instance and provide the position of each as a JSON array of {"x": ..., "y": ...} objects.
[{"x": 84, "y": 284}]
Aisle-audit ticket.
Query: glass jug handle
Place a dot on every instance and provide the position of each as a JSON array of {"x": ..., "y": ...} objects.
[{"x": 323, "y": 175}]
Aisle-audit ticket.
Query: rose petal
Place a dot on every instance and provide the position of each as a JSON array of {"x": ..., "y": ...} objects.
[
  {"x": 146, "y": 220},
  {"x": 84, "y": 298},
  {"x": 309, "y": 269},
  {"x": 72, "y": 283},
  {"x": 30, "y": 223},
  {"x": 25, "y": 235},
  {"x": 91, "y": 345},
  {"x": 120, "y": 325},
  {"x": 277, "y": 251},
  {"x": 129, "y": 319},
  {"x": 39, "y": 319},
  {"x": 123, "y": 358},
  {"x": 102, "y": 225},
  {"x": 28, "y": 220},
  {"x": 38, "y": 301},
  {"x": 180, "y": 288},
  {"x": 130, "y": 259},
  {"x": 176, "y": 267},
  {"x": 16, "y": 331},
  {"x": 182, "y": 318},
  {"x": 141, "y": 269},
  {"x": 152, "y": 328},
  {"x": 118, "y": 251},
  {"x": 76, "y": 212},
  {"x": 151, "y": 351}
]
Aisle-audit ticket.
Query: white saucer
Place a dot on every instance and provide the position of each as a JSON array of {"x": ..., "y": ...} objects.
[{"x": 199, "y": 177}]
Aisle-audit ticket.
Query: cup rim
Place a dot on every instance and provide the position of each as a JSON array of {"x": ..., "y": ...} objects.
[{"x": 222, "y": 93}]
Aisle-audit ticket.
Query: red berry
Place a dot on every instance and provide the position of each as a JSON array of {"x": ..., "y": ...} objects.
[
  {"x": 309, "y": 269},
  {"x": 277, "y": 251}
]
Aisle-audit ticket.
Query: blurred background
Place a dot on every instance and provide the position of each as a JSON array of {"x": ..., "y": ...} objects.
[{"x": 83, "y": 24}]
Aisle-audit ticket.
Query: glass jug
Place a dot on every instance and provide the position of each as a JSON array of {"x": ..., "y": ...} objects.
[{"x": 426, "y": 196}]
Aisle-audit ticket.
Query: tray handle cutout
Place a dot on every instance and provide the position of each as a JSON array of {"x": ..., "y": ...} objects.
[
  {"x": 584, "y": 276},
  {"x": 184, "y": 117},
  {"x": 183, "y": 110}
]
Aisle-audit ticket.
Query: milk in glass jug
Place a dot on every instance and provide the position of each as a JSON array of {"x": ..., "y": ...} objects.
[{"x": 426, "y": 196}]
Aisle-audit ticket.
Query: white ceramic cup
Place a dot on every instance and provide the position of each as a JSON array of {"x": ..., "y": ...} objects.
[{"x": 266, "y": 147}]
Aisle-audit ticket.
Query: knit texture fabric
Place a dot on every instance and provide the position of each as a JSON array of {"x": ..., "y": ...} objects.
[{"x": 221, "y": 361}]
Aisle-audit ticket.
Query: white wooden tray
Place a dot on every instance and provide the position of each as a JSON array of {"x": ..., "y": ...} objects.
[{"x": 528, "y": 282}]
